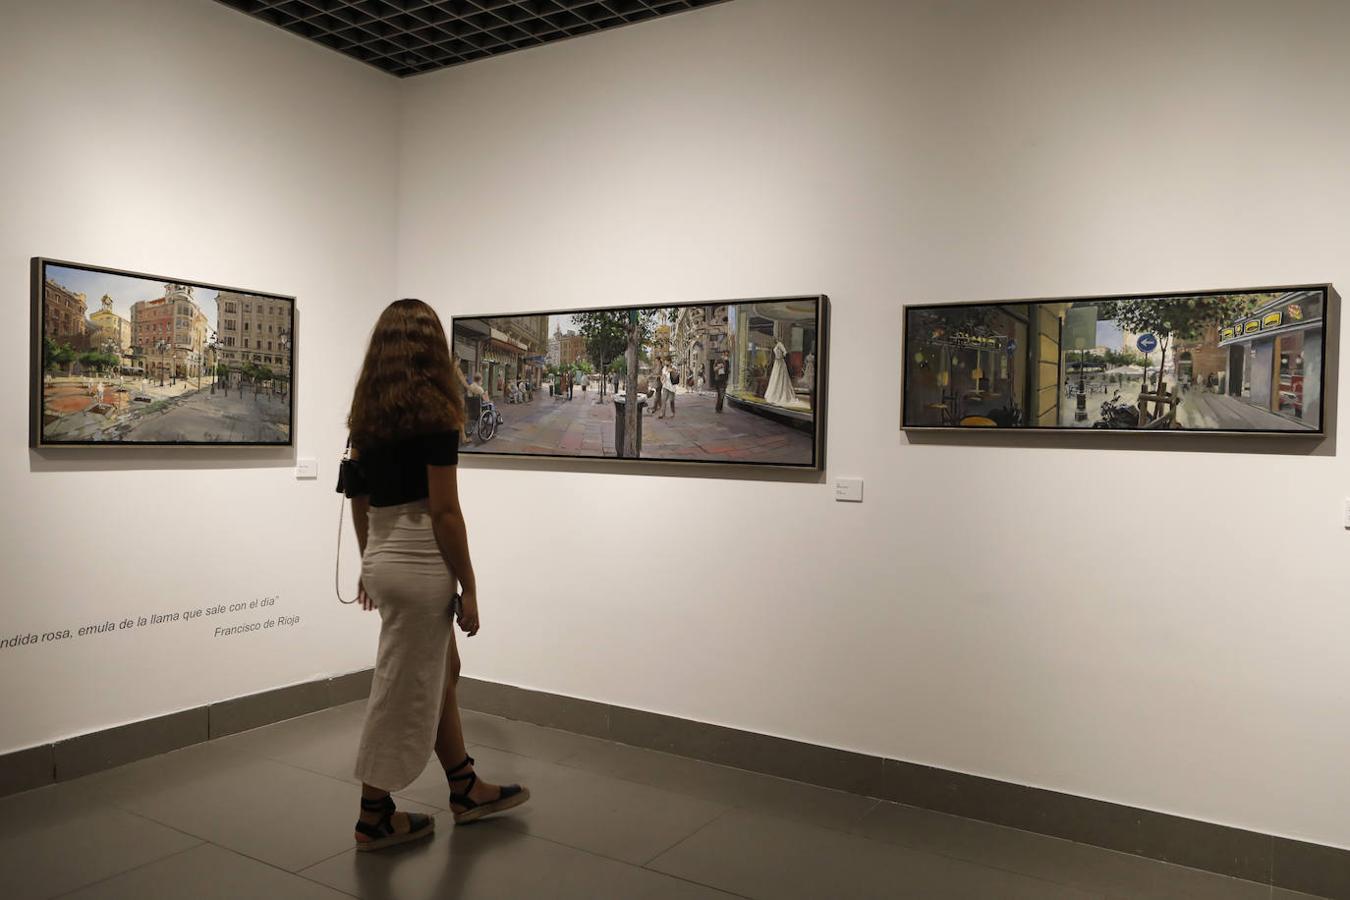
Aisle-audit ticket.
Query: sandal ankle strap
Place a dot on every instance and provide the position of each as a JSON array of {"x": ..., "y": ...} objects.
[
  {"x": 382, "y": 804},
  {"x": 471, "y": 778},
  {"x": 461, "y": 797},
  {"x": 468, "y": 761}
]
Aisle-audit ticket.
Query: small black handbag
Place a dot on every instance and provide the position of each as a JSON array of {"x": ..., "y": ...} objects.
[{"x": 351, "y": 476}]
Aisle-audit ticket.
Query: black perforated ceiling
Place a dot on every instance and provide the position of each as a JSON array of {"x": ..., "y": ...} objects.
[{"x": 407, "y": 37}]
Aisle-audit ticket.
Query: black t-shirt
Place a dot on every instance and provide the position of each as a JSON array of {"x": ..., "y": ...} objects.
[{"x": 396, "y": 472}]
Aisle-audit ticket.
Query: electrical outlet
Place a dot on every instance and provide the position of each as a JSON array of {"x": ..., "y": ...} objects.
[
  {"x": 306, "y": 468},
  {"x": 849, "y": 490}
]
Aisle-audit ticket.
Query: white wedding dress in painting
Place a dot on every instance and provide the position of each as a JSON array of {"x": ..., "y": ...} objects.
[{"x": 779, "y": 391}]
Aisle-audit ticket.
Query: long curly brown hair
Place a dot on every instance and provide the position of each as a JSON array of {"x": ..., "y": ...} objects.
[{"x": 409, "y": 385}]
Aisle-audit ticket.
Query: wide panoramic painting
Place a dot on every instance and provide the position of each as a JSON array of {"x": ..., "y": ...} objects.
[
  {"x": 733, "y": 382},
  {"x": 1235, "y": 361},
  {"x": 123, "y": 358}
]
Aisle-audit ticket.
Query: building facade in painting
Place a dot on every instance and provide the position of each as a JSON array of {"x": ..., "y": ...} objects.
[
  {"x": 1274, "y": 356},
  {"x": 253, "y": 330},
  {"x": 502, "y": 350},
  {"x": 169, "y": 334},
  {"x": 63, "y": 313},
  {"x": 1202, "y": 362},
  {"x": 571, "y": 348},
  {"x": 701, "y": 336},
  {"x": 112, "y": 333}
]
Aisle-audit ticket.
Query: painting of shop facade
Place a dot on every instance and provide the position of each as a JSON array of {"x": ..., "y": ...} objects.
[
  {"x": 724, "y": 382},
  {"x": 1236, "y": 361}
]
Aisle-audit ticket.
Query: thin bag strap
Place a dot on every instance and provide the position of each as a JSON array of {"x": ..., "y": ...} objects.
[{"x": 337, "y": 561}]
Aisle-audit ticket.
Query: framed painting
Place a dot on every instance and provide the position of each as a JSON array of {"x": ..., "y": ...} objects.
[
  {"x": 1249, "y": 361},
  {"x": 131, "y": 359},
  {"x": 732, "y": 382}
]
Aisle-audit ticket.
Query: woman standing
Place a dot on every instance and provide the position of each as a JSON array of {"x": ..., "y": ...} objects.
[{"x": 405, "y": 420}]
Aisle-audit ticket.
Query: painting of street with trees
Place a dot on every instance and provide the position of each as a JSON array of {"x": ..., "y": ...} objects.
[
  {"x": 722, "y": 382},
  {"x": 1218, "y": 361}
]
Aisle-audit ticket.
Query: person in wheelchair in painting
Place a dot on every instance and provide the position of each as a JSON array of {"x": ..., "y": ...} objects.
[{"x": 473, "y": 406}]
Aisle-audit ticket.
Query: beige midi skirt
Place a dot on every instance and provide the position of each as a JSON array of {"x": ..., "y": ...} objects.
[{"x": 407, "y": 578}]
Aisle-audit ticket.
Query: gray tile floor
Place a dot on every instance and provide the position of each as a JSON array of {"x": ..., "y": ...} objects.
[{"x": 268, "y": 814}]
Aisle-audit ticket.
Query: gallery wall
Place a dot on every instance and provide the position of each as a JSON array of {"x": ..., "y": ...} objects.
[
  {"x": 1158, "y": 627},
  {"x": 182, "y": 139},
  {"x": 1161, "y": 625}
]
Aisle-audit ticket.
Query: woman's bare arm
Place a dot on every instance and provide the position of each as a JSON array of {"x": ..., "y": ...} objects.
[
  {"x": 360, "y": 513},
  {"x": 361, "y": 525},
  {"x": 361, "y": 520},
  {"x": 447, "y": 522}
]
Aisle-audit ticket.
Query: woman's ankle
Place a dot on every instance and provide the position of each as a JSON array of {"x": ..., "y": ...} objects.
[{"x": 369, "y": 794}]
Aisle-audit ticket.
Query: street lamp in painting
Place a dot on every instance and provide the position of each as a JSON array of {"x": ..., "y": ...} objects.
[
  {"x": 1080, "y": 333},
  {"x": 214, "y": 356},
  {"x": 161, "y": 346},
  {"x": 284, "y": 342}
]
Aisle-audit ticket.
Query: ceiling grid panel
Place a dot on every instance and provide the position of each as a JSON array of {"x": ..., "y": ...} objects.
[{"x": 409, "y": 37}]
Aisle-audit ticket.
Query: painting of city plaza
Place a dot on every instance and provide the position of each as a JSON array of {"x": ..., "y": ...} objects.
[
  {"x": 737, "y": 382},
  {"x": 124, "y": 359},
  {"x": 1235, "y": 361}
]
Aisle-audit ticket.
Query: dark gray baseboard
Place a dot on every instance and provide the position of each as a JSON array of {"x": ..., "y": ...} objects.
[
  {"x": 1293, "y": 865},
  {"x": 87, "y": 753},
  {"x": 1283, "y": 863}
]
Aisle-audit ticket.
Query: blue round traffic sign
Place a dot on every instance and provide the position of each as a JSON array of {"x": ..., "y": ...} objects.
[{"x": 1147, "y": 343}]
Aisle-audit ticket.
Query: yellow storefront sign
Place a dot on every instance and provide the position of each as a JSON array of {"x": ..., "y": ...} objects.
[
  {"x": 1252, "y": 326},
  {"x": 1273, "y": 320},
  {"x": 1226, "y": 334}
]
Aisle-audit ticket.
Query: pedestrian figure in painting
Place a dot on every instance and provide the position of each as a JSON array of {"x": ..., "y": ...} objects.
[
  {"x": 475, "y": 394},
  {"x": 719, "y": 380},
  {"x": 780, "y": 392},
  {"x": 654, "y": 388},
  {"x": 809, "y": 372},
  {"x": 405, "y": 418},
  {"x": 669, "y": 379}
]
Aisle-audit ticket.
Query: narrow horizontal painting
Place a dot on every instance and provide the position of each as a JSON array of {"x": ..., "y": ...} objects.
[
  {"x": 737, "y": 382},
  {"x": 1241, "y": 361}
]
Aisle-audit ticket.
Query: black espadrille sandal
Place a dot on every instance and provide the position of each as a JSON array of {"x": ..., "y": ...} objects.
[
  {"x": 511, "y": 795},
  {"x": 382, "y": 832}
]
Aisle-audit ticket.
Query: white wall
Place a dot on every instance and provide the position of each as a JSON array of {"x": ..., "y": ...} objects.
[
  {"x": 182, "y": 139},
  {"x": 1160, "y": 628},
  {"x": 984, "y": 610}
]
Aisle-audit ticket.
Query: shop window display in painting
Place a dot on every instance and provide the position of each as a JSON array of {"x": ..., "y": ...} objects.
[
  {"x": 155, "y": 361},
  {"x": 1222, "y": 361},
  {"x": 733, "y": 382}
]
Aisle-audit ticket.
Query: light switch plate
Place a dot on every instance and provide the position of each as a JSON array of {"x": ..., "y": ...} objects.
[
  {"x": 848, "y": 490},
  {"x": 306, "y": 468}
]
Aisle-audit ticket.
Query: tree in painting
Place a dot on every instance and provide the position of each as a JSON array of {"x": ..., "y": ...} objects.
[
  {"x": 1175, "y": 318},
  {"x": 606, "y": 336}
]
